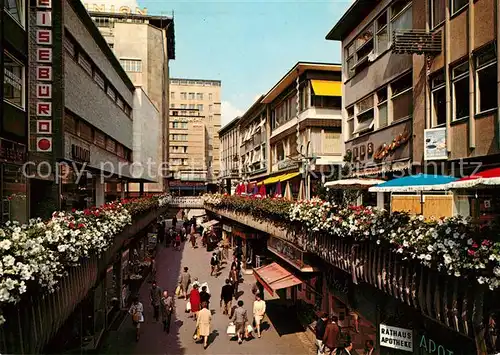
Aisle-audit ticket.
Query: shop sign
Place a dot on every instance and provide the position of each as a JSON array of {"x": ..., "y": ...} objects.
[
  {"x": 243, "y": 235},
  {"x": 396, "y": 338},
  {"x": 227, "y": 228},
  {"x": 293, "y": 254},
  {"x": 115, "y": 9},
  {"x": 431, "y": 347},
  {"x": 435, "y": 144},
  {"x": 80, "y": 154},
  {"x": 42, "y": 28}
]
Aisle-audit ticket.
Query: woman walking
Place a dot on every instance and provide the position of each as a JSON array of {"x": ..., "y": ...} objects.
[
  {"x": 235, "y": 279},
  {"x": 194, "y": 299},
  {"x": 192, "y": 238},
  {"x": 203, "y": 323},
  {"x": 137, "y": 312}
]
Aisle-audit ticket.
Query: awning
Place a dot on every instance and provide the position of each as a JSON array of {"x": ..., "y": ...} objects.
[
  {"x": 486, "y": 178},
  {"x": 210, "y": 223},
  {"x": 280, "y": 178},
  {"x": 415, "y": 183},
  {"x": 274, "y": 277},
  {"x": 327, "y": 88},
  {"x": 353, "y": 183}
]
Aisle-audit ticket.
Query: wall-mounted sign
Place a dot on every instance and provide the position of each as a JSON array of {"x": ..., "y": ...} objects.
[
  {"x": 288, "y": 251},
  {"x": 431, "y": 347},
  {"x": 41, "y": 129},
  {"x": 369, "y": 148},
  {"x": 435, "y": 144},
  {"x": 227, "y": 228},
  {"x": 396, "y": 338},
  {"x": 115, "y": 9},
  {"x": 80, "y": 154}
]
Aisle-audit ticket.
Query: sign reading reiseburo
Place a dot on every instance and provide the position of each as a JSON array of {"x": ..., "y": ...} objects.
[
  {"x": 396, "y": 338},
  {"x": 43, "y": 59}
]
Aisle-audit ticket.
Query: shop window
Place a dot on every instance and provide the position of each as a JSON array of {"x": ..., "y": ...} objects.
[
  {"x": 13, "y": 82},
  {"x": 486, "y": 79},
  {"x": 382, "y": 107},
  {"x": 402, "y": 98},
  {"x": 438, "y": 100},
  {"x": 460, "y": 91},
  {"x": 457, "y": 5},
  {"x": 14, "y": 203},
  {"x": 15, "y": 8},
  {"x": 438, "y": 9},
  {"x": 77, "y": 189},
  {"x": 382, "y": 35}
]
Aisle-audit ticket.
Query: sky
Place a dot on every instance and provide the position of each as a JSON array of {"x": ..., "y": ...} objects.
[{"x": 248, "y": 45}]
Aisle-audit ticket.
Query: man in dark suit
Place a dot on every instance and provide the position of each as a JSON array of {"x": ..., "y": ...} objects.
[
  {"x": 320, "y": 332},
  {"x": 348, "y": 349}
]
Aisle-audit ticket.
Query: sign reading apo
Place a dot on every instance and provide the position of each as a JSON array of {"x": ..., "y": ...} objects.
[{"x": 396, "y": 338}]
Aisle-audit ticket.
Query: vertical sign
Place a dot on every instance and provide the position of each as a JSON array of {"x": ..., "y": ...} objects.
[{"x": 43, "y": 67}]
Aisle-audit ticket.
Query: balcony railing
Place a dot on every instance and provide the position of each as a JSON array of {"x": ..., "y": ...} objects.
[
  {"x": 417, "y": 42},
  {"x": 453, "y": 302},
  {"x": 36, "y": 319}
]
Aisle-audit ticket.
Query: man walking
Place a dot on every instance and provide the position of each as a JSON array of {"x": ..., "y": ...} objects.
[
  {"x": 205, "y": 296},
  {"x": 226, "y": 297},
  {"x": 320, "y": 332},
  {"x": 184, "y": 281},
  {"x": 214, "y": 262},
  {"x": 240, "y": 319},
  {"x": 259, "y": 309},
  {"x": 167, "y": 308},
  {"x": 155, "y": 296},
  {"x": 332, "y": 335}
]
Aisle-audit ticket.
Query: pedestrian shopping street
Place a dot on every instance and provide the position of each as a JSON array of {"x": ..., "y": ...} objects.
[{"x": 180, "y": 340}]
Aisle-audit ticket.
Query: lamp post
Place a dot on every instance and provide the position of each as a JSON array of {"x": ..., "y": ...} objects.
[{"x": 307, "y": 165}]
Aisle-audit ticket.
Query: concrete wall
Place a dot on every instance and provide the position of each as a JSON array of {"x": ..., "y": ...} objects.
[
  {"x": 146, "y": 139},
  {"x": 97, "y": 108}
]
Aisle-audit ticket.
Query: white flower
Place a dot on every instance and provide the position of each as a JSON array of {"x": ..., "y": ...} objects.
[{"x": 5, "y": 244}]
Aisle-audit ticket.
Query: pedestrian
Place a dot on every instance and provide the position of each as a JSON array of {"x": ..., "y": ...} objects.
[
  {"x": 184, "y": 281},
  {"x": 192, "y": 238},
  {"x": 320, "y": 332},
  {"x": 203, "y": 322},
  {"x": 161, "y": 232},
  {"x": 240, "y": 319},
  {"x": 137, "y": 312},
  {"x": 178, "y": 242},
  {"x": 234, "y": 278},
  {"x": 347, "y": 350},
  {"x": 155, "y": 296},
  {"x": 194, "y": 299},
  {"x": 153, "y": 268},
  {"x": 167, "y": 308},
  {"x": 193, "y": 229},
  {"x": 236, "y": 263},
  {"x": 214, "y": 262},
  {"x": 183, "y": 214},
  {"x": 369, "y": 347},
  {"x": 332, "y": 335},
  {"x": 174, "y": 222},
  {"x": 205, "y": 296},
  {"x": 226, "y": 297},
  {"x": 225, "y": 248},
  {"x": 259, "y": 310}
]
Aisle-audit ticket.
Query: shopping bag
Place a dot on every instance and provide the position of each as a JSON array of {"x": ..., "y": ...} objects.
[
  {"x": 231, "y": 329},
  {"x": 249, "y": 329},
  {"x": 178, "y": 290},
  {"x": 196, "y": 334},
  {"x": 188, "y": 306}
]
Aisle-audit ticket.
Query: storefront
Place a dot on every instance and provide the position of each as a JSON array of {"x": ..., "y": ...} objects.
[
  {"x": 252, "y": 245},
  {"x": 188, "y": 188}
]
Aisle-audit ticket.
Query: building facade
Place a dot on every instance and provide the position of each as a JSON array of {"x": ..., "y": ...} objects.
[
  {"x": 205, "y": 97},
  {"x": 188, "y": 159},
  {"x": 304, "y": 121},
  {"x": 229, "y": 154},
  {"x": 14, "y": 110},
  {"x": 144, "y": 45}
]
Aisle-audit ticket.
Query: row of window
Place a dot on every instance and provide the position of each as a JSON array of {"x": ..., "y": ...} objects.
[
  {"x": 390, "y": 103},
  {"x": 85, "y": 131},
  {"x": 110, "y": 21},
  {"x": 178, "y": 137},
  {"x": 190, "y": 96},
  {"x": 132, "y": 65},
  {"x": 485, "y": 81},
  {"x": 178, "y": 149},
  {"x": 438, "y": 10},
  {"x": 376, "y": 38},
  {"x": 178, "y": 162},
  {"x": 179, "y": 125},
  {"x": 77, "y": 53},
  {"x": 198, "y": 107},
  {"x": 194, "y": 82},
  {"x": 13, "y": 81}
]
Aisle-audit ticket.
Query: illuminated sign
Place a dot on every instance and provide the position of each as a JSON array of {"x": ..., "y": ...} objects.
[
  {"x": 115, "y": 9},
  {"x": 396, "y": 338},
  {"x": 42, "y": 31}
]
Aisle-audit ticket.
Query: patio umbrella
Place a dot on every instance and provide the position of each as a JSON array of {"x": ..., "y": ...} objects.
[
  {"x": 301, "y": 195},
  {"x": 278, "y": 189},
  {"x": 488, "y": 177},
  {"x": 262, "y": 190},
  {"x": 288, "y": 191},
  {"x": 353, "y": 184},
  {"x": 415, "y": 183}
]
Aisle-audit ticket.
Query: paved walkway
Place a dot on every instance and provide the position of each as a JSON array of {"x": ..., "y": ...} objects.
[{"x": 180, "y": 341}]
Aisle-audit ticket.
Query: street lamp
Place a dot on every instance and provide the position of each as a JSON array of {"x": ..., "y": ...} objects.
[{"x": 307, "y": 165}]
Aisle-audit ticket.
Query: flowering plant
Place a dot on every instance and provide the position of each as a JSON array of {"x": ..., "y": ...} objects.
[
  {"x": 40, "y": 252},
  {"x": 453, "y": 245}
]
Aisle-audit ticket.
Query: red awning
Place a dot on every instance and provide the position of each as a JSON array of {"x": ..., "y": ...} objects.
[{"x": 274, "y": 277}]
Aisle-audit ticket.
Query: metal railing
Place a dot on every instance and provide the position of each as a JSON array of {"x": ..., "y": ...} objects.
[{"x": 187, "y": 202}]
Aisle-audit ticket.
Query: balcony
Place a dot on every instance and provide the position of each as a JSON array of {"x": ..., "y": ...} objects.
[
  {"x": 417, "y": 42},
  {"x": 38, "y": 316}
]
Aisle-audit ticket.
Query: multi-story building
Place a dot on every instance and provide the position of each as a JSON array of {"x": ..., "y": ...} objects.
[
  {"x": 188, "y": 159},
  {"x": 204, "y": 96},
  {"x": 229, "y": 154},
  {"x": 144, "y": 45},
  {"x": 13, "y": 110},
  {"x": 304, "y": 121},
  {"x": 253, "y": 142}
]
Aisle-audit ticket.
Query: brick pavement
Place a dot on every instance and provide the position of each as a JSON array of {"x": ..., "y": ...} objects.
[{"x": 179, "y": 341}]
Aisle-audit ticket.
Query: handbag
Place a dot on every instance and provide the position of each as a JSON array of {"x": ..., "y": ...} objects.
[
  {"x": 178, "y": 290},
  {"x": 136, "y": 317},
  {"x": 188, "y": 306}
]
